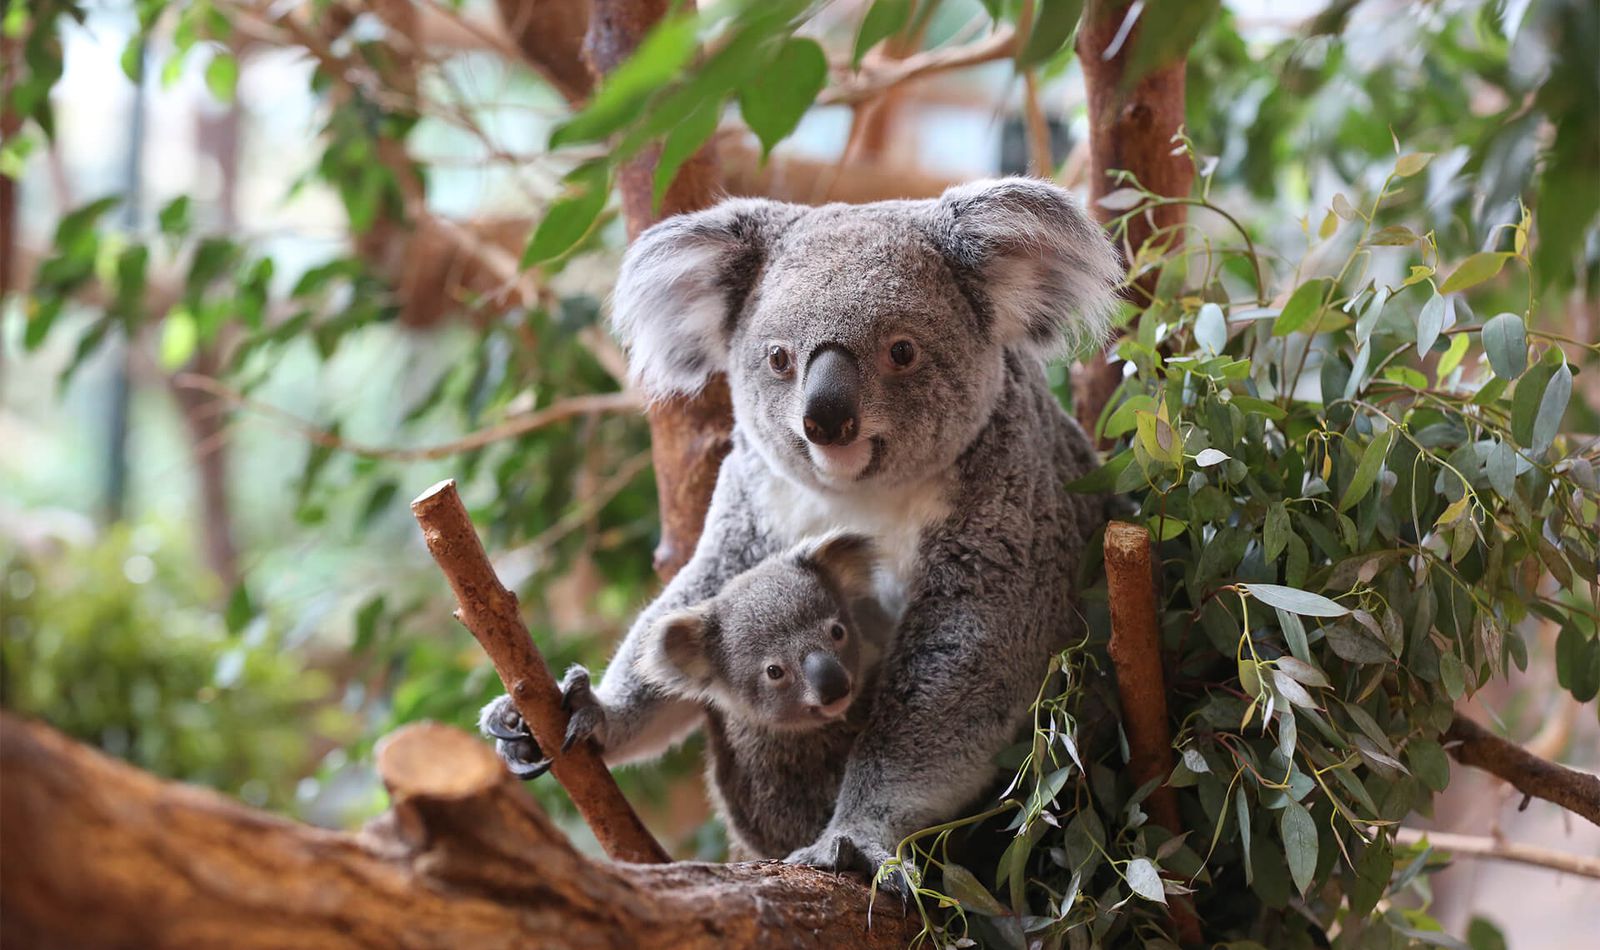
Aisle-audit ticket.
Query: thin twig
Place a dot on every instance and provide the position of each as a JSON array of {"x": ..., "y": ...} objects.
[
  {"x": 1484, "y": 847},
  {"x": 517, "y": 425},
  {"x": 490, "y": 612},
  {"x": 874, "y": 82}
]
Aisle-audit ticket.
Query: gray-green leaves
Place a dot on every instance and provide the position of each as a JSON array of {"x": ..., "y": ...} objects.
[
  {"x": 1540, "y": 401},
  {"x": 1299, "y": 833},
  {"x": 1211, "y": 329},
  {"x": 1367, "y": 470},
  {"x": 1294, "y": 600},
  {"x": 1145, "y": 880},
  {"x": 1505, "y": 339},
  {"x": 1429, "y": 322},
  {"x": 1304, "y": 304}
]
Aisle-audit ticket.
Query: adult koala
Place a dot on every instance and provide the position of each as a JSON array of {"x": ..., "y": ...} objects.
[{"x": 887, "y": 369}]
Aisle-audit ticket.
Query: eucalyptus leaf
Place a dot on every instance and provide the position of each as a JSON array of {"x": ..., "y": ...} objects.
[
  {"x": 1429, "y": 322},
  {"x": 1145, "y": 881},
  {"x": 1295, "y": 601},
  {"x": 1505, "y": 340},
  {"x": 1299, "y": 834}
]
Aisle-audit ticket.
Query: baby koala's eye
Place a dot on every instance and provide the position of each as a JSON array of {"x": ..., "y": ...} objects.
[
  {"x": 901, "y": 355},
  {"x": 774, "y": 672},
  {"x": 836, "y": 631}
]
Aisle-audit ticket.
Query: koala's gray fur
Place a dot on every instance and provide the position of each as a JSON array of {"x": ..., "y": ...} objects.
[
  {"x": 957, "y": 473},
  {"x": 777, "y": 743}
]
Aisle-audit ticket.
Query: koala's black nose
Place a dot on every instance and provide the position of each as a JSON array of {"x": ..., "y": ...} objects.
[
  {"x": 827, "y": 676},
  {"x": 833, "y": 397}
]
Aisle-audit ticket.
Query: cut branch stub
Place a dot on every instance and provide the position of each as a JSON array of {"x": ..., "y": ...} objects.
[
  {"x": 1141, "y": 685},
  {"x": 489, "y": 611}
]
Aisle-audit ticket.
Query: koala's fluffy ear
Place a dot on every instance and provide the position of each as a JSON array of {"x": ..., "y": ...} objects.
[
  {"x": 677, "y": 651},
  {"x": 1042, "y": 269},
  {"x": 682, "y": 285},
  {"x": 849, "y": 559}
]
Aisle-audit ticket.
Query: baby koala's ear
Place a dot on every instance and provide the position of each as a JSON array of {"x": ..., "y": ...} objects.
[
  {"x": 677, "y": 651},
  {"x": 849, "y": 558}
]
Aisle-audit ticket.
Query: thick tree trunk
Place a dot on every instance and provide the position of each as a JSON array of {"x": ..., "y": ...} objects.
[
  {"x": 99, "y": 854},
  {"x": 689, "y": 436},
  {"x": 1130, "y": 129}
]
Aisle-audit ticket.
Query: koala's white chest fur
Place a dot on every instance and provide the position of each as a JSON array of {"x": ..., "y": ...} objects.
[{"x": 894, "y": 518}]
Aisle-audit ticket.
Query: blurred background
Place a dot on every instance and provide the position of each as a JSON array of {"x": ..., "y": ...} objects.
[{"x": 220, "y": 581}]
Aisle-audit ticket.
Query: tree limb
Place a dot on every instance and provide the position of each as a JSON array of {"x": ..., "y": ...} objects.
[
  {"x": 869, "y": 83},
  {"x": 512, "y": 427},
  {"x": 1471, "y": 744},
  {"x": 1484, "y": 847},
  {"x": 1131, "y": 130},
  {"x": 101, "y": 855},
  {"x": 489, "y": 611},
  {"x": 1141, "y": 685}
]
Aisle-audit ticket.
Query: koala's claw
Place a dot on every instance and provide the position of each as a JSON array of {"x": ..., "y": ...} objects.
[
  {"x": 847, "y": 851},
  {"x": 585, "y": 716},
  {"x": 516, "y": 746}
]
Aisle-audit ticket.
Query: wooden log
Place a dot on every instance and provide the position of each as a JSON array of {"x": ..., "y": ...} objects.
[{"x": 101, "y": 855}]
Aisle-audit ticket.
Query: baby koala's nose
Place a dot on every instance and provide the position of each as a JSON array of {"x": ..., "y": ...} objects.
[{"x": 827, "y": 677}]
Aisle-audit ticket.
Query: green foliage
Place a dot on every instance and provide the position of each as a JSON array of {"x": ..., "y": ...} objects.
[
  {"x": 116, "y": 644},
  {"x": 1357, "y": 472},
  {"x": 1355, "y": 525}
]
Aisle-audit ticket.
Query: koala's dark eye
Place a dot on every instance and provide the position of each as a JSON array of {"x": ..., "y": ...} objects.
[
  {"x": 902, "y": 353},
  {"x": 778, "y": 358},
  {"x": 836, "y": 631},
  {"x": 774, "y": 672}
]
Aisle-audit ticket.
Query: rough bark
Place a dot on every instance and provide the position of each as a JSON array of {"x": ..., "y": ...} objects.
[
  {"x": 549, "y": 34},
  {"x": 98, "y": 854},
  {"x": 1130, "y": 129},
  {"x": 207, "y": 422},
  {"x": 689, "y": 436},
  {"x": 1577, "y": 792},
  {"x": 490, "y": 612},
  {"x": 1141, "y": 685}
]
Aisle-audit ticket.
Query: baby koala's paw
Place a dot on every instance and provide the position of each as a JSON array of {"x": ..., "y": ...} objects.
[{"x": 586, "y": 716}]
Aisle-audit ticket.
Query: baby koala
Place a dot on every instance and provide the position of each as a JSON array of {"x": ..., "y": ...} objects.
[{"x": 781, "y": 659}]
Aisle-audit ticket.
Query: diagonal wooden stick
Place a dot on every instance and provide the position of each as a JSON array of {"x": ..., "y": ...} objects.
[{"x": 489, "y": 611}]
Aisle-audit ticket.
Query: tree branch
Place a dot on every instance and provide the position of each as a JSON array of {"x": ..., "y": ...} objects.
[
  {"x": 1141, "y": 685},
  {"x": 490, "y": 612},
  {"x": 101, "y": 855},
  {"x": 514, "y": 426},
  {"x": 1499, "y": 850},
  {"x": 869, "y": 83},
  {"x": 1471, "y": 744}
]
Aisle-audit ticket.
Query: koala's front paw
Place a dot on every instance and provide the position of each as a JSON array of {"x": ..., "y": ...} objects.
[
  {"x": 586, "y": 717},
  {"x": 513, "y": 742},
  {"x": 855, "y": 851}
]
